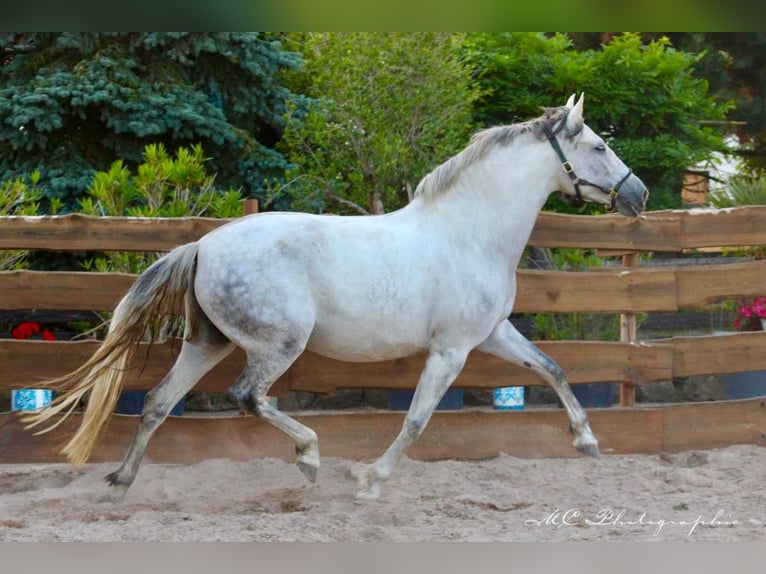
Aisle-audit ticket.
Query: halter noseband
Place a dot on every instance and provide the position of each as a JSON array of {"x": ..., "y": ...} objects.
[{"x": 577, "y": 181}]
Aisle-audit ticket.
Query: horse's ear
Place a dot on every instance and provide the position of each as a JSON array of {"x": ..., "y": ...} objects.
[
  {"x": 571, "y": 101},
  {"x": 574, "y": 119}
]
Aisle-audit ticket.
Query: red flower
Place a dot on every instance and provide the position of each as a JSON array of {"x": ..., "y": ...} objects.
[
  {"x": 29, "y": 328},
  {"x": 24, "y": 330}
]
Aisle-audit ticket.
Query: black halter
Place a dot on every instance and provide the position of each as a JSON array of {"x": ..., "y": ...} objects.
[{"x": 577, "y": 181}]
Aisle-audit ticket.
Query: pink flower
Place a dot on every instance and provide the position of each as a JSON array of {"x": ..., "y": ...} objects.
[{"x": 750, "y": 313}]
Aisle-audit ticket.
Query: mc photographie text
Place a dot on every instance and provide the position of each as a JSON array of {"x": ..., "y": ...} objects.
[{"x": 620, "y": 518}]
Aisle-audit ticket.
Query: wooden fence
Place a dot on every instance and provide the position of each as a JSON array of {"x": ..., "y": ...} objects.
[{"x": 468, "y": 433}]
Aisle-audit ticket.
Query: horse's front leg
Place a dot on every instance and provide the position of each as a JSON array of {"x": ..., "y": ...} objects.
[
  {"x": 442, "y": 367},
  {"x": 507, "y": 343}
]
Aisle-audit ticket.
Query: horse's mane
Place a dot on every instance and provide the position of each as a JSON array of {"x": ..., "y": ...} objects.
[{"x": 445, "y": 175}]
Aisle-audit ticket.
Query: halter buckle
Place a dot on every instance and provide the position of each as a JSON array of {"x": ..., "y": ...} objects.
[
  {"x": 612, "y": 195},
  {"x": 568, "y": 167}
]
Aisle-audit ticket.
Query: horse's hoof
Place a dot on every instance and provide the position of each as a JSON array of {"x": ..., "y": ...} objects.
[
  {"x": 115, "y": 494},
  {"x": 589, "y": 450},
  {"x": 372, "y": 492},
  {"x": 118, "y": 484},
  {"x": 369, "y": 485},
  {"x": 309, "y": 470}
]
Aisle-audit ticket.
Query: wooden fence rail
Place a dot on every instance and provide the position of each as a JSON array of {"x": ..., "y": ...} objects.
[
  {"x": 673, "y": 231},
  {"x": 472, "y": 433},
  {"x": 584, "y": 362},
  {"x": 607, "y": 291}
]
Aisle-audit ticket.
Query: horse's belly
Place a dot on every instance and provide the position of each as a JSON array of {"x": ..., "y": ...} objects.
[{"x": 364, "y": 345}]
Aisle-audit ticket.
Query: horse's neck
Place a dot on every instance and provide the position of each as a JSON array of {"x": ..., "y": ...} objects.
[{"x": 495, "y": 205}]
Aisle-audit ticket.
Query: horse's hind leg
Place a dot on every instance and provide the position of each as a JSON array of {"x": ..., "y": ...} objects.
[
  {"x": 507, "y": 343},
  {"x": 200, "y": 352},
  {"x": 250, "y": 392}
]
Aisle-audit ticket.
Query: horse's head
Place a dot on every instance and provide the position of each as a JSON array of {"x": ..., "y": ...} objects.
[{"x": 591, "y": 170}]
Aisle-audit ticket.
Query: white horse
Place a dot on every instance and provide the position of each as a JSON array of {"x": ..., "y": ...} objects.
[{"x": 436, "y": 276}]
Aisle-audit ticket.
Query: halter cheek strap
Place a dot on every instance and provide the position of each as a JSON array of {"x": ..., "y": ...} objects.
[{"x": 577, "y": 181}]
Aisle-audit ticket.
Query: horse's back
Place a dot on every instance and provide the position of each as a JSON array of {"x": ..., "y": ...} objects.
[{"x": 313, "y": 242}]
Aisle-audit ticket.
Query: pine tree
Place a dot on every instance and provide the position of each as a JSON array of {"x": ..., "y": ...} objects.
[{"x": 73, "y": 103}]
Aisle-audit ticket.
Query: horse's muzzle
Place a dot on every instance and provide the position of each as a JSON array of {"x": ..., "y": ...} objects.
[{"x": 632, "y": 197}]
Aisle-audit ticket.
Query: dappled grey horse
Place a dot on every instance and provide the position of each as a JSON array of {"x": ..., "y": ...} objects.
[{"x": 436, "y": 276}]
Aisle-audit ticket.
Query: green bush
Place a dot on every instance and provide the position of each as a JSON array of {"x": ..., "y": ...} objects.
[
  {"x": 18, "y": 197},
  {"x": 161, "y": 186},
  {"x": 740, "y": 190}
]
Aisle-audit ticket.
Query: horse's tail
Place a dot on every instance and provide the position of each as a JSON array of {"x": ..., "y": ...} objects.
[{"x": 154, "y": 292}]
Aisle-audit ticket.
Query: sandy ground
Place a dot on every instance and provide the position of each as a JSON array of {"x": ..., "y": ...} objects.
[{"x": 701, "y": 495}]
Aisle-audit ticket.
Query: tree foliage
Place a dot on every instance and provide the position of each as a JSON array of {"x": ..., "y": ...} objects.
[
  {"x": 389, "y": 108},
  {"x": 735, "y": 65},
  {"x": 72, "y": 103},
  {"x": 644, "y": 97},
  {"x": 376, "y": 112}
]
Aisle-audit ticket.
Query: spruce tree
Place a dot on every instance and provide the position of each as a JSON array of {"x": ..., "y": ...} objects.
[{"x": 73, "y": 103}]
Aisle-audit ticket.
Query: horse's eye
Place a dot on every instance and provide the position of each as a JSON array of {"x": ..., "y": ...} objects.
[{"x": 600, "y": 147}]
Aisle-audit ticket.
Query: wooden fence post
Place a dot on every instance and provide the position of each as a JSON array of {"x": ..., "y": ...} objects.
[
  {"x": 628, "y": 335},
  {"x": 249, "y": 206}
]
